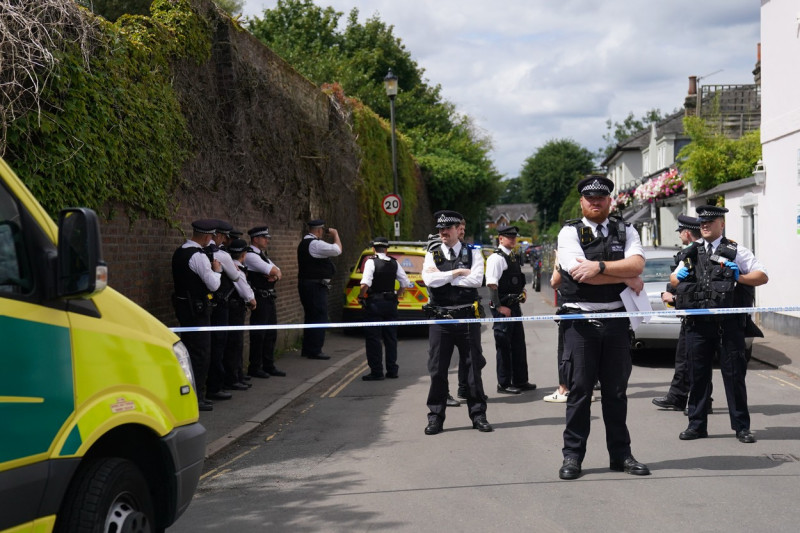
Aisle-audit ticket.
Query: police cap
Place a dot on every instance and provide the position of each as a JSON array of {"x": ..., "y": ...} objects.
[
  {"x": 447, "y": 218},
  {"x": 258, "y": 231},
  {"x": 237, "y": 246},
  {"x": 433, "y": 239},
  {"x": 687, "y": 222},
  {"x": 316, "y": 223},
  {"x": 224, "y": 227},
  {"x": 205, "y": 225},
  {"x": 508, "y": 231},
  {"x": 380, "y": 242},
  {"x": 707, "y": 213},
  {"x": 595, "y": 186},
  {"x": 235, "y": 233}
]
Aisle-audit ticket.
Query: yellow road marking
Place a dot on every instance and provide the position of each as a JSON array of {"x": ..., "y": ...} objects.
[
  {"x": 345, "y": 381},
  {"x": 222, "y": 466},
  {"x": 780, "y": 380}
]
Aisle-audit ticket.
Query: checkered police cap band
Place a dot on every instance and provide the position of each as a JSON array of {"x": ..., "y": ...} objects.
[
  {"x": 444, "y": 221},
  {"x": 595, "y": 186}
]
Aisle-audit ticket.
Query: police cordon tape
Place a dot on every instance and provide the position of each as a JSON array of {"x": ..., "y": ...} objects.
[{"x": 527, "y": 318}]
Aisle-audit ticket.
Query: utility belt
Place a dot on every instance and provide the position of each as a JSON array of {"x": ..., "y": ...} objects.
[
  {"x": 512, "y": 299},
  {"x": 388, "y": 295},
  {"x": 324, "y": 282},
  {"x": 473, "y": 310},
  {"x": 222, "y": 297},
  {"x": 198, "y": 307},
  {"x": 564, "y": 310},
  {"x": 265, "y": 293}
]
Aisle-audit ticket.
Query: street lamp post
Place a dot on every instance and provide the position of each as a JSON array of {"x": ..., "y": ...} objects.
[{"x": 390, "y": 83}]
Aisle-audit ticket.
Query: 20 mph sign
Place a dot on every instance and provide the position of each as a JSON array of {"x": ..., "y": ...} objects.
[{"x": 391, "y": 204}]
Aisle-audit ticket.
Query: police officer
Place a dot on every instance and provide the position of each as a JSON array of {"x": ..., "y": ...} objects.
[
  {"x": 716, "y": 273},
  {"x": 238, "y": 303},
  {"x": 262, "y": 274},
  {"x": 506, "y": 284},
  {"x": 453, "y": 272},
  {"x": 598, "y": 257},
  {"x": 380, "y": 304},
  {"x": 678, "y": 394},
  {"x": 315, "y": 271},
  {"x": 196, "y": 275}
]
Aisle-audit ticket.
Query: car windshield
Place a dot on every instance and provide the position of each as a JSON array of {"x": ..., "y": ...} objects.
[
  {"x": 657, "y": 269},
  {"x": 411, "y": 263}
]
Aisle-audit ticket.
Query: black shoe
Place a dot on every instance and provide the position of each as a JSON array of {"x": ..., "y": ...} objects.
[
  {"x": 219, "y": 395},
  {"x": 204, "y": 406},
  {"x": 276, "y": 372},
  {"x": 570, "y": 469},
  {"x": 319, "y": 356},
  {"x": 629, "y": 465},
  {"x": 668, "y": 402},
  {"x": 246, "y": 378},
  {"x": 525, "y": 386},
  {"x": 745, "y": 436},
  {"x": 236, "y": 386},
  {"x": 692, "y": 434},
  {"x": 597, "y": 385},
  {"x": 481, "y": 424},
  {"x": 372, "y": 377},
  {"x": 435, "y": 425},
  {"x": 508, "y": 390},
  {"x": 391, "y": 375},
  {"x": 452, "y": 402},
  {"x": 258, "y": 374}
]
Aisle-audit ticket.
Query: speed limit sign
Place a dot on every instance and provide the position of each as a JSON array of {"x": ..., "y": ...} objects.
[{"x": 391, "y": 204}]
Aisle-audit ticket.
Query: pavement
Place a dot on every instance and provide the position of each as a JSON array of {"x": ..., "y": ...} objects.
[{"x": 232, "y": 419}]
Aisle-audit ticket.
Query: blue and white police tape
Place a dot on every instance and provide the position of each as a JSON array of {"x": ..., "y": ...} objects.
[{"x": 527, "y": 318}]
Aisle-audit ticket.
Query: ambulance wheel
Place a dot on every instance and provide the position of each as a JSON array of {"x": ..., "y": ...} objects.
[{"x": 109, "y": 494}]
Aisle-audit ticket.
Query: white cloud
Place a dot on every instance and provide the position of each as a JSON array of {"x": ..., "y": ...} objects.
[{"x": 528, "y": 71}]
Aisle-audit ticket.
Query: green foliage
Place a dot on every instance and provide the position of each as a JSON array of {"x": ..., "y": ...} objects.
[
  {"x": 111, "y": 10},
  {"x": 571, "y": 208},
  {"x": 712, "y": 159},
  {"x": 618, "y": 132},
  {"x": 231, "y": 7},
  {"x": 113, "y": 132},
  {"x": 549, "y": 175},
  {"x": 511, "y": 192}
]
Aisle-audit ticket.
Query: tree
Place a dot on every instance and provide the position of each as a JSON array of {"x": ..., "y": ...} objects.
[
  {"x": 111, "y": 10},
  {"x": 231, "y": 7},
  {"x": 511, "y": 192},
  {"x": 551, "y": 172},
  {"x": 617, "y": 132}
]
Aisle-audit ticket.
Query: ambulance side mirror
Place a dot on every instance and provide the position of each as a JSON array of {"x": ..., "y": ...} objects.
[{"x": 81, "y": 269}]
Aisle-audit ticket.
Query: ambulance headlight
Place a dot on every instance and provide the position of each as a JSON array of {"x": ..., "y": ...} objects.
[{"x": 182, "y": 355}]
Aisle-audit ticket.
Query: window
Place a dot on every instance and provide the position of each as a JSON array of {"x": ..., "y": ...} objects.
[{"x": 15, "y": 272}]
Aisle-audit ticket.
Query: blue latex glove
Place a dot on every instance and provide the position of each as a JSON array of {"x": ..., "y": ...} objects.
[
  {"x": 734, "y": 268},
  {"x": 682, "y": 274}
]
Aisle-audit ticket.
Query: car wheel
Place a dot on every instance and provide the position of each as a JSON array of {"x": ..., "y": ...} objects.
[{"x": 108, "y": 494}]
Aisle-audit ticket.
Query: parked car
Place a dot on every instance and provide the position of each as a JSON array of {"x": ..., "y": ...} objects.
[{"x": 661, "y": 331}]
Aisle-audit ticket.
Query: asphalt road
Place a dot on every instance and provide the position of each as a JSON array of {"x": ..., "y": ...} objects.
[{"x": 351, "y": 456}]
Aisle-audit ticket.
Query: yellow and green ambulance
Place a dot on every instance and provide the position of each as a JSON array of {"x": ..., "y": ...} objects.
[{"x": 99, "y": 425}]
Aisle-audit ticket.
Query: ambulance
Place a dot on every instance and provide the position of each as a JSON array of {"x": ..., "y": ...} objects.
[{"x": 99, "y": 425}]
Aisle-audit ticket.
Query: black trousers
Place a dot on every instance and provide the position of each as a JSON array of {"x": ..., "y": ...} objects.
[
  {"x": 703, "y": 338},
  {"x": 314, "y": 298},
  {"x": 216, "y": 372},
  {"x": 380, "y": 338},
  {"x": 262, "y": 342},
  {"x": 234, "y": 344},
  {"x": 198, "y": 343},
  {"x": 597, "y": 349},
  {"x": 512, "y": 354},
  {"x": 679, "y": 387},
  {"x": 442, "y": 339}
]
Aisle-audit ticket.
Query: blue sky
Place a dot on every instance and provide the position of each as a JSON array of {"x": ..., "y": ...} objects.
[{"x": 528, "y": 71}]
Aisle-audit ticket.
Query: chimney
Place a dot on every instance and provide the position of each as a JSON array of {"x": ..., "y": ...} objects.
[{"x": 690, "y": 104}]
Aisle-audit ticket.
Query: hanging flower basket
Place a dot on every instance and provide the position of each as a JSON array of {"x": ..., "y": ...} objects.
[{"x": 666, "y": 184}]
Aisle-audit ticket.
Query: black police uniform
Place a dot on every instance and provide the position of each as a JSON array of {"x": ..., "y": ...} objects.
[
  {"x": 381, "y": 305},
  {"x": 313, "y": 283},
  {"x": 262, "y": 342},
  {"x": 596, "y": 349},
  {"x": 509, "y": 337}
]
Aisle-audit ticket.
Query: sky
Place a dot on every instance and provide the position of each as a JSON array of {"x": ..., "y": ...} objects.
[{"x": 530, "y": 71}]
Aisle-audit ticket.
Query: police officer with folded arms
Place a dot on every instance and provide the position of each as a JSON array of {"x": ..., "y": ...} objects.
[
  {"x": 506, "y": 284},
  {"x": 262, "y": 274},
  {"x": 380, "y": 301},
  {"x": 598, "y": 258},
  {"x": 716, "y": 272},
  {"x": 196, "y": 275},
  {"x": 453, "y": 272}
]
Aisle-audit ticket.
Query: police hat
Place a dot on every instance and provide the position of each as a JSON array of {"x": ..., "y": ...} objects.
[
  {"x": 595, "y": 186},
  {"x": 433, "y": 239},
  {"x": 235, "y": 234},
  {"x": 224, "y": 227},
  {"x": 380, "y": 242},
  {"x": 316, "y": 223},
  {"x": 707, "y": 213},
  {"x": 205, "y": 225},
  {"x": 687, "y": 222},
  {"x": 508, "y": 231},
  {"x": 447, "y": 218},
  {"x": 258, "y": 231},
  {"x": 237, "y": 246}
]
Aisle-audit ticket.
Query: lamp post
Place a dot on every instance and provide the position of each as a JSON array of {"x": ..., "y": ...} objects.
[{"x": 390, "y": 84}]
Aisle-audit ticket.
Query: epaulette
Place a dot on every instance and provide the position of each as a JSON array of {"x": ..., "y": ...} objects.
[{"x": 572, "y": 221}]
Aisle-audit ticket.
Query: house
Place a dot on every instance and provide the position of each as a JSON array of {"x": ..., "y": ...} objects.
[{"x": 504, "y": 214}]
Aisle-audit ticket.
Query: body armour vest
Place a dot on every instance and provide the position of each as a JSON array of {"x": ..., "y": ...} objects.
[
  {"x": 513, "y": 280},
  {"x": 384, "y": 276},
  {"x": 187, "y": 283},
  {"x": 448, "y": 294},
  {"x": 310, "y": 267},
  {"x": 258, "y": 280},
  {"x": 710, "y": 285},
  {"x": 610, "y": 248}
]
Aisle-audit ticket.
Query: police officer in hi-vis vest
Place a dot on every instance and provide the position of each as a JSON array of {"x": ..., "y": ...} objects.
[
  {"x": 453, "y": 271},
  {"x": 379, "y": 300},
  {"x": 598, "y": 258},
  {"x": 716, "y": 272}
]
